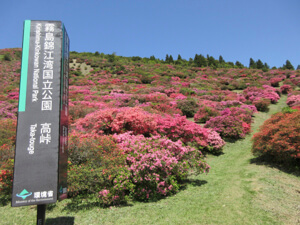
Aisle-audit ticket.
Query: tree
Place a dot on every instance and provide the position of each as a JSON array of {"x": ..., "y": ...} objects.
[
  {"x": 221, "y": 60},
  {"x": 288, "y": 65},
  {"x": 252, "y": 64},
  {"x": 171, "y": 60},
  {"x": 298, "y": 67},
  {"x": 179, "y": 57},
  {"x": 167, "y": 58},
  {"x": 152, "y": 57},
  {"x": 239, "y": 64},
  {"x": 266, "y": 66},
  {"x": 211, "y": 61},
  {"x": 259, "y": 64}
]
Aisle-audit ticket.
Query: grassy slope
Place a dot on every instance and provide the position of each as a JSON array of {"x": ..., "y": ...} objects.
[{"x": 235, "y": 191}]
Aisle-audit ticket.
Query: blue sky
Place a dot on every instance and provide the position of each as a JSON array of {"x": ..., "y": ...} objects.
[{"x": 268, "y": 30}]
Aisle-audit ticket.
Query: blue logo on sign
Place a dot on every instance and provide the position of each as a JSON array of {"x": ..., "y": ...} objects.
[{"x": 24, "y": 194}]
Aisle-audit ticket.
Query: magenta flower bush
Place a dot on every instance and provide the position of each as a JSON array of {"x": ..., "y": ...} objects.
[
  {"x": 233, "y": 123},
  {"x": 158, "y": 165},
  {"x": 293, "y": 100}
]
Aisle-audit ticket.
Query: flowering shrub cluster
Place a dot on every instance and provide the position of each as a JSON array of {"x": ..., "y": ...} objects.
[
  {"x": 261, "y": 97},
  {"x": 118, "y": 120},
  {"x": 233, "y": 123},
  {"x": 6, "y": 178},
  {"x": 293, "y": 100},
  {"x": 158, "y": 165},
  {"x": 279, "y": 137}
]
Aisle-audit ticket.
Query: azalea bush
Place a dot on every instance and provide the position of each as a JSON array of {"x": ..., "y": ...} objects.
[
  {"x": 279, "y": 137},
  {"x": 158, "y": 165},
  {"x": 118, "y": 120},
  {"x": 293, "y": 100},
  {"x": 94, "y": 161},
  {"x": 6, "y": 179}
]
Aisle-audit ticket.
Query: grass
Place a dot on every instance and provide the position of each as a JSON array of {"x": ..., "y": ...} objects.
[{"x": 239, "y": 189}]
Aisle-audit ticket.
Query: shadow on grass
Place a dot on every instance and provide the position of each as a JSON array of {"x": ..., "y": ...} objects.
[
  {"x": 192, "y": 182},
  {"x": 76, "y": 205},
  {"x": 66, "y": 220},
  {"x": 290, "y": 168}
]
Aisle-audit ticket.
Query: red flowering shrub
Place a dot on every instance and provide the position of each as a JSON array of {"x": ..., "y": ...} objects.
[
  {"x": 279, "y": 138},
  {"x": 6, "y": 178},
  {"x": 109, "y": 121},
  {"x": 166, "y": 108}
]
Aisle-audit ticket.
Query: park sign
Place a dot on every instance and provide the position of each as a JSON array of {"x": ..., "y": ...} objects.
[{"x": 40, "y": 166}]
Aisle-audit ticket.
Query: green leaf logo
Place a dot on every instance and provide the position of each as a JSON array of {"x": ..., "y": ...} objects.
[{"x": 24, "y": 194}]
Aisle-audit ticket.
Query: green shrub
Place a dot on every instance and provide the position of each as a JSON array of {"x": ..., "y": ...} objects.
[
  {"x": 188, "y": 107},
  {"x": 262, "y": 104}
]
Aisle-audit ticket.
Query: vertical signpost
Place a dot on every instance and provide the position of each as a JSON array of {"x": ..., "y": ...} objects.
[{"x": 40, "y": 171}]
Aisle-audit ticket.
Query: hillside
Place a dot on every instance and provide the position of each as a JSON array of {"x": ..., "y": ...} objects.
[{"x": 146, "y": 130}]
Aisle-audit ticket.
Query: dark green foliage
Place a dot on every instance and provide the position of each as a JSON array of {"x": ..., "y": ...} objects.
[
  {"x": 288, "y": 66},
  {"x": 252, "y": 64},
  {"x": 188, "y": 107},
  {"x": 221, "y": 60},
  {"x": 136, "y": 58},
  {"x": 7, "y": 57},
  {"x": 146, "y": 79},
  {"x": 200, "y": 61},
  {"x": 152, "y": 57},
  {"x": 239, "y": 64},
  {"x": 259, "y": 64}
]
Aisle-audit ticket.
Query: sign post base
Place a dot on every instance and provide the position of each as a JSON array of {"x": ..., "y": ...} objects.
[{"x": 41, "y": 214}]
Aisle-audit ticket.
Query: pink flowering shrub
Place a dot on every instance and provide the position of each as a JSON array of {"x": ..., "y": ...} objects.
[
  {"x": 275, "y": 81},
  {"x": 254, "y": 93},
  {"x": 240, "y": 113},
  {"x": 293, "y": 100},
  {"x": 215, "y": 142},
  {"x": 158, "y": 165},
  {"x": 8, "y": 110},
  {"x": 179, "y": 128},
  {"x": 233, "y": 123}
]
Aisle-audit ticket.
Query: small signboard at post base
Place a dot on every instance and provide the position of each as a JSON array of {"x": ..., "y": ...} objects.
[{"x": 40, "y": 170}]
